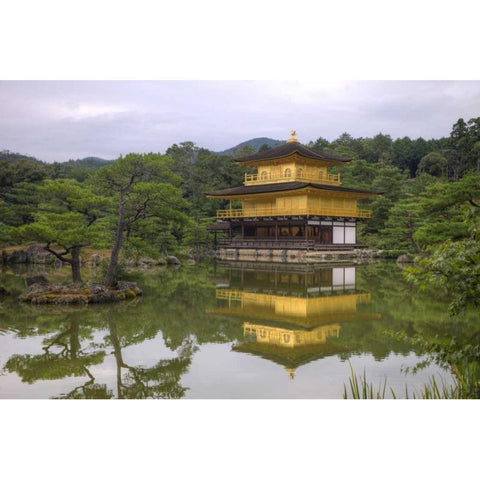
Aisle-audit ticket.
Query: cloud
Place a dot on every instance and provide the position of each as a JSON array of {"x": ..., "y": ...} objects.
[{"x": 58, "y": 120}]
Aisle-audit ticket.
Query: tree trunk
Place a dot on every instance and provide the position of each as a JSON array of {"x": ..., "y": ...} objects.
[
  {"x": 117, "y": 350},
  {"x": 112, "y": 267},
  {"x": 74, "y": 341},
  {"x": 415, "y": 245},
  {"x": 76, "y": 265}
]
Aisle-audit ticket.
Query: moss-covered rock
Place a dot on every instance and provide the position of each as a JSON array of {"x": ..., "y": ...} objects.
[{"x": 84, "y": 293}]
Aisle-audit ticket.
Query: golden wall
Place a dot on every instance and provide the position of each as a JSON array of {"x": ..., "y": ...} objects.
[
  {"x": 315, "y": 203},
  {"x": 287, "y": 203},
  {"x": 303, "y": 307},
  {"x": 286, "y": 337}
]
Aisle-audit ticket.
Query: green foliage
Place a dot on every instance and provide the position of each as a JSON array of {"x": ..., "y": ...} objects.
[
  {"x": 378, "y": 149},
  {"x": 462, "y": 150},
  {"x": 7, "y": 234},
  {"x": 185, "y": 152},
  {"x": 319, "y": 145},
  {"x": 69, "y": 217},
  {"x": 209, "y": 172},
  {"x": 196, "y": 235},
  {"x": 151, "y": 237},
  {"x": 430, "y": 212},
  {"x": 147, "y": 199},
  {"x": 67, "y": 214},
  {"x": 433, "y": 163},
  {"x": 389, "y": 180},
  {"x": 403, "y": 221},
  {"x": 243, "y": 151},
  {"x": 454, "y": 266}
]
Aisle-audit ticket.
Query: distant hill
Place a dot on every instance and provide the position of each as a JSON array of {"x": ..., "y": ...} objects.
[
  {"x": 16, "y": 157},
  {"x": 87, "y": 162},
  {"x": 255, "y": 143}
]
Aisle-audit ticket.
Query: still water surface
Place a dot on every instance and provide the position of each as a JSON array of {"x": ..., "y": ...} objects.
[{"x": 225, "y": 331}]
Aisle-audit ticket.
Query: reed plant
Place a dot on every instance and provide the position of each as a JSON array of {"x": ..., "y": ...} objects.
[{"x": 465, "y": 386}]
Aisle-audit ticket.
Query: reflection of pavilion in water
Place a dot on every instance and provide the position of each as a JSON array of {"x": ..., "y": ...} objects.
[{"x": 292, "y": 313}]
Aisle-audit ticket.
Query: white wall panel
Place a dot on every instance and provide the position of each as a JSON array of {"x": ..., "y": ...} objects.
[
  {"x": 349, "y": 234},
  {"x": 338, "y": 235},
  {"x": 337, "y": 276},
  {"x": 350, "y": 277}
]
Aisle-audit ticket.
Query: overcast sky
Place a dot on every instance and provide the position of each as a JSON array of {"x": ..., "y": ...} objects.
[{"x": 57, "y": 121}]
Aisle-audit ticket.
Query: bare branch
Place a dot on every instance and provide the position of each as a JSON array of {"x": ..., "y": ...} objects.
[{"x": 60, "y": 255}]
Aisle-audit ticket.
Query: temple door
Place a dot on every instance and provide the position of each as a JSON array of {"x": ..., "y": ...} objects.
[{"x": 326, "y": 235}]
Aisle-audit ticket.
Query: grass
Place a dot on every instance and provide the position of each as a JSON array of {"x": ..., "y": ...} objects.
[
  {"x": 465, "y": 386},
  {"x": 362, "y": 390}
]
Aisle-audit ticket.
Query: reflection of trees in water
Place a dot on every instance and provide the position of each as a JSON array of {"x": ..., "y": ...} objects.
[
  {"x": 69, "y": 351},
  {"x": 403, "y": 308},
  {"x": 183, "y": 297},
  {"x": 78, "y": 339},
  {"x": 89, "y": 390},
  {"x": 160, "y": 381},
  {"x": 63, "y": 357}
]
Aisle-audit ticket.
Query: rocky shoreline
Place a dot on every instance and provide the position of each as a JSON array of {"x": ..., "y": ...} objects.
[
  {"x": 42, "y": 292},
  {"x": 37, "y": 255}
]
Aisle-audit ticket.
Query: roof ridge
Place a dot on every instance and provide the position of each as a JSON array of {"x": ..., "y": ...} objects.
[
  {"x": 286, "y": 149},
  {"x": 285, "y": 186}
]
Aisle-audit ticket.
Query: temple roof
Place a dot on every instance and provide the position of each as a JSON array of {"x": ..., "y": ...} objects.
[
  {"x": 285, "y": 186},
  {"x": 276, "y": 320},
  {"x": 289, "y": 149},
  {"x": 290, "y": 357}
]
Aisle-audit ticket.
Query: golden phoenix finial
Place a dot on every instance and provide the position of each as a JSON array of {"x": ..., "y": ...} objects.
[{"x": 293, "y": 134}]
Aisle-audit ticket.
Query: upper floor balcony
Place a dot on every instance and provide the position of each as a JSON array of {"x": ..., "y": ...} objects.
[
  {"x": 257, "y": 212},
  {"x": 291, "y": 175}
]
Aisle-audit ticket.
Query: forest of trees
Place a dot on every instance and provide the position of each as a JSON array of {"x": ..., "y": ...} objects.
[{"x": 153, "y": 203}]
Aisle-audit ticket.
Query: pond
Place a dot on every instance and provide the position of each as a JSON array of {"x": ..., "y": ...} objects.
[{"x": 219, "y": 330}]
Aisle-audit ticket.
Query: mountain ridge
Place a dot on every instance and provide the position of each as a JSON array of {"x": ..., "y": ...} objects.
[{"x": 255, "y": 143}]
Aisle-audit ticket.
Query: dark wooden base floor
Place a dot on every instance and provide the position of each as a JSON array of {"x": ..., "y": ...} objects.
[{"x": 285, "y": 244}]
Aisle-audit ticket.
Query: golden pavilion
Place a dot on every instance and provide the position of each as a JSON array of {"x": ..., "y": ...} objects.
[
  {"x": 291, "y": 202},
  {"x": 291, "y": 313}
]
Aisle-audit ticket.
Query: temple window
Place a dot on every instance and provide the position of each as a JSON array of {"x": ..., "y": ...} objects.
[
  {"x": 249, "y": 231},
  {"x": 264, "y": 175},
  {"x": 299, "y": 172},
  {"x": 288, "y": 172},
  {"x": 286, "y": 337},
  {"x": 297, "y": 231},
  {"x": 320, "y": 174}
]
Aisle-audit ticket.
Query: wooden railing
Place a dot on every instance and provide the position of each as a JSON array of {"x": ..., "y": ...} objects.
[
  {"x": 293, "y": 176},
  {"x": 280, "y": 212},
  {"x": 229, "y": 294},
  {"x": 279, "y": 243}
]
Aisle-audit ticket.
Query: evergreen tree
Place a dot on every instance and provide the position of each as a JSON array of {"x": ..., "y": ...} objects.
[
  {"x": 143, "y": 188},
  {"x": 67, "y": 220}
]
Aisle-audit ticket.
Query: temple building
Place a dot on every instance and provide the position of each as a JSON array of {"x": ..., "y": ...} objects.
[
  {"x": 291, "y": 202},
  {"x": 290, "y": 314}
]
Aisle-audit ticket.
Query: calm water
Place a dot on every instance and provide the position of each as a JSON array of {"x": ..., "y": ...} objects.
[{"x": 225, "y": 331}]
